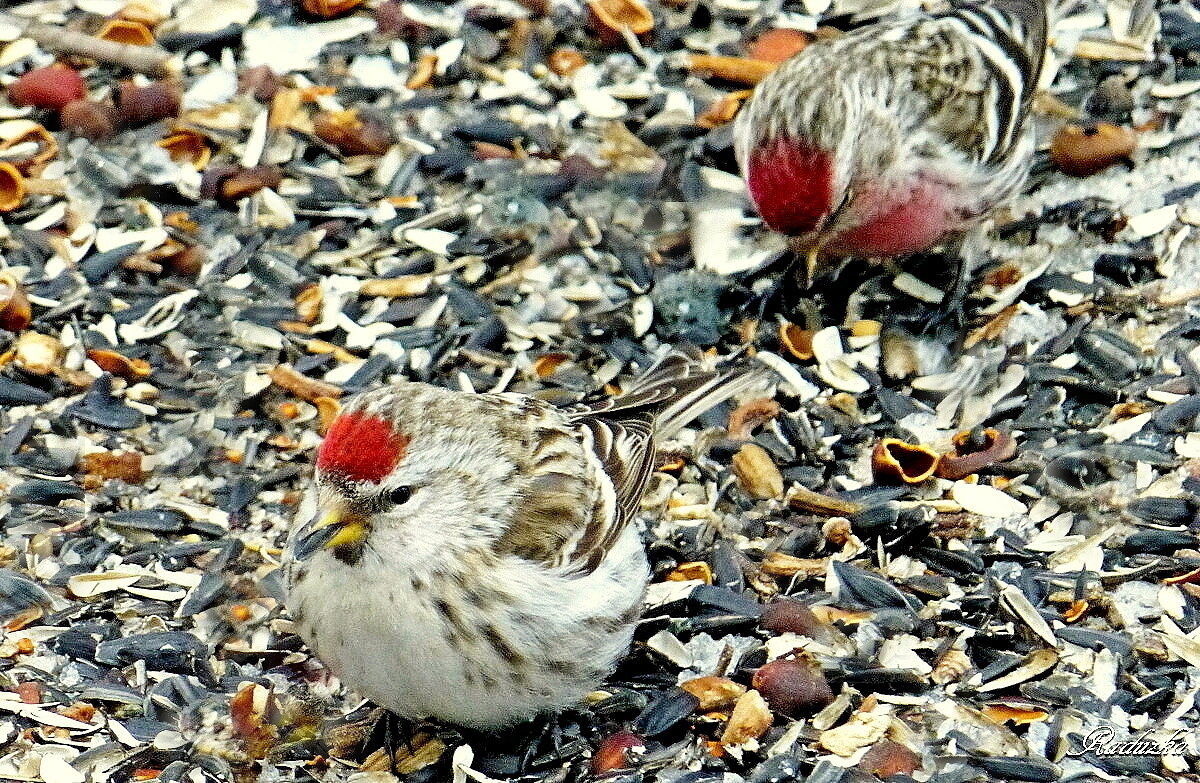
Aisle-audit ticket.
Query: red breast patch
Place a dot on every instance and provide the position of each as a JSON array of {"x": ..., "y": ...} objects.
[
  {"x": 361, "y": 448},
  {"x": 791, "y": 184}
]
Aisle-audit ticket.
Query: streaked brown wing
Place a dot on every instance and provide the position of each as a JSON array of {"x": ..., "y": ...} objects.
[
  {"x": 584, "y": 480},
  {"x": 590, "y": 463},
  {"x": 556, "y": 494},
  {"x": 621, "y": 430},
  {"x": 626, "y": 452}
]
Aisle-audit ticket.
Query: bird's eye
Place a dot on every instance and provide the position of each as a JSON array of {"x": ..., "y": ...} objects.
[{"x": 400, "y": 495}]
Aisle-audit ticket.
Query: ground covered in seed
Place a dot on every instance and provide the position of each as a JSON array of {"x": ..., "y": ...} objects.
[{"x": 928, "y": 555}]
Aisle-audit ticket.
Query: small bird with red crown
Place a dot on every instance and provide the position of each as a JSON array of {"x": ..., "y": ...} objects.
[
  {"x": 898, "y": 136},
  {"x": 472, "y": 559}
]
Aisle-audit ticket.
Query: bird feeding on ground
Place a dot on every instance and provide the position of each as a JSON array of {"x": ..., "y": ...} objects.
[
  {"x": 897, "y": 136},
  {"x": 473, "y": 559}
]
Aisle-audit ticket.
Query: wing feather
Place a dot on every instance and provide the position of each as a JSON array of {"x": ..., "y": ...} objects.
[
  {"x": 591, "y": 462},
  {"x": 978, "y": 66}
]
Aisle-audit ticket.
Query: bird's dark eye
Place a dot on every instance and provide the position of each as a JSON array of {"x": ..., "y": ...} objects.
[{"x": 400, "y": 495}]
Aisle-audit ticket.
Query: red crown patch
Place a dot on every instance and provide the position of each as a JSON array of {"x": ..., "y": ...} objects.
[
  {"x": 361, "y": 448},
  {"x": 791, "y": 184}
]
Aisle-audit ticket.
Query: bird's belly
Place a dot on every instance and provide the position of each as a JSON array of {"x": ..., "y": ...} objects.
[
  {"x": 405, "y": 652},
  {"x": 389, "y": 652}
]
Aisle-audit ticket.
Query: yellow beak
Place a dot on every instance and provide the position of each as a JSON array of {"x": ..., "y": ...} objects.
[
  {"x": 351, "y": 527},
  {"x": 810, "y": 266}
]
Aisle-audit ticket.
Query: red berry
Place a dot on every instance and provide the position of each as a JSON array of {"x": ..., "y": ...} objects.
[
  {"x": 887, "y": 758},
  {"x": 143, "y": 105},
  {"x": 260, "y": 82},
  {"x": 613, "y": 752},
  {"x": 787, "y": 615},
  {"x": 52, "y": 87}
]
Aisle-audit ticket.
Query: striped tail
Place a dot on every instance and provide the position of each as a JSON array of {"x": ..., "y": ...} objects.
[{"x": 678, "y": 388}]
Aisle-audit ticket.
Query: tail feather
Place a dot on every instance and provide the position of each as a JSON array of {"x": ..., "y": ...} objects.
[
  {"x": 681, "y": 387},
  {"x": 727, "y": 384}
]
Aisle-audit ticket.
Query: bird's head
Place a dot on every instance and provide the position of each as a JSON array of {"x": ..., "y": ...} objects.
[
  {"x": 409, "y": 467},
  {"x": 793, "y": 184}
]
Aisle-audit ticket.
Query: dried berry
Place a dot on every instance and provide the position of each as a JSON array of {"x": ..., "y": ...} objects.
[
  {"x": 887, "y": 758},
  {"x": 787, "y": 615},
  {"x": 141, "y": 105},
  {"x": 52, "y": 87},
  {"x": 615, "y": 750},
  {"x": 792, "y": 688},
  {"x": 89, "y": 119}
]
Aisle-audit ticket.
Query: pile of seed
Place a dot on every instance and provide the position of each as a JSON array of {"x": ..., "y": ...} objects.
[{"x": 925, "y": 555}]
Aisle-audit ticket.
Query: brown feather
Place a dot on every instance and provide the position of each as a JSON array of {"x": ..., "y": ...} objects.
[{"x": 566, "y": 517}]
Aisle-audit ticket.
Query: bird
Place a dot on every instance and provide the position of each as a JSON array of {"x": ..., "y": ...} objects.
[
  {"x": 472, "y": 560},
  {"x": 897, "y": 137}
]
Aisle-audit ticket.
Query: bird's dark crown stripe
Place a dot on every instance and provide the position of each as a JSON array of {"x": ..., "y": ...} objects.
[{"x": 359, "y": 447}]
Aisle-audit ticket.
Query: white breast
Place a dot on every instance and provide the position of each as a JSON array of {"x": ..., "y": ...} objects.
[{"x": 434, "y": 644}]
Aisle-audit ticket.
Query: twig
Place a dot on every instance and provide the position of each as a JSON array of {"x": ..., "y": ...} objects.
[
  {"x": 45, "y": 187},
  {"x": 150, "y": 60}
]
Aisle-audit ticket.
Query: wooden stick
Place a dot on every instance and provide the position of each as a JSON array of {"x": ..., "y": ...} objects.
[
  {"x": 150, "y": 60},
  {"x": 46, "y": 187}
]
